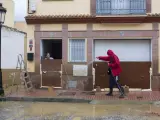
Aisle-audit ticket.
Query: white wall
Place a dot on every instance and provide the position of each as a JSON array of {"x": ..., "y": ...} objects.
[
  {"x": 12, "y": 46},
  {"x": 126, "y": 50}
]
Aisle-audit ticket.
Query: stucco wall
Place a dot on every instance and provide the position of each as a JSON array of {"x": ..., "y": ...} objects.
[
  {"x": 12, "y": 46},
  {"x": 51, "y": 27},
  {"x": 81, "y": 27},
  {"x": 76, "y": 27},
  {"x": 9, "y": 5},
  {"x": 30, "y": 36},
  {"x": 63, "y": 7},
  {"x": 137, "y": 26},
  {"x": 159, "y": 51},
  {"x": 21, "y": 25},
  {"x": 45, "y": 27},
  {"x": 73, "y": 7},
  {"x": 155, "y": 6},
  {"x": 58, "y": 27}
]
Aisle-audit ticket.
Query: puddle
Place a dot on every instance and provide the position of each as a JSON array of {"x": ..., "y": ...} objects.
[{"x": 77, "y": 111}]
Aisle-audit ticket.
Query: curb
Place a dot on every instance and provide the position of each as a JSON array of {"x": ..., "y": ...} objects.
[
  {"x": 103, "y": 102},
  {"x": 72, "y": 100},
  {"x": 41, "y": 99}
]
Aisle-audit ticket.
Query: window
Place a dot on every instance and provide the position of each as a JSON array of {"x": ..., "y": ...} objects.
[
  {"x": 120, "y": 7},
  {"x": 77, "y": 50}
]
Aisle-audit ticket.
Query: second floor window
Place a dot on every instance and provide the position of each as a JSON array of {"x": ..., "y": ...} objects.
[{"x": 120, "y": 7}]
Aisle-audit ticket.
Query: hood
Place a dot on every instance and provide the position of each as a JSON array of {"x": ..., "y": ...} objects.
[{"x": 110, "y": 53}]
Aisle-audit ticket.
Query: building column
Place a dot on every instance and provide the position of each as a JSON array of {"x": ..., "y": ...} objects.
[
  {"x": 89, "y": 87},
  {"x": 155, "y": 81},
  {"x": 65, "y": 42}
]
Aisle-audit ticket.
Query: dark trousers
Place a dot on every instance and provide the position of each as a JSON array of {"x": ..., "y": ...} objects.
[{"x": 113, "y": 83}]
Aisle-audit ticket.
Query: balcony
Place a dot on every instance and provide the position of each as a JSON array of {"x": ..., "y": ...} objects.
[{"x": 120, "y": 7}]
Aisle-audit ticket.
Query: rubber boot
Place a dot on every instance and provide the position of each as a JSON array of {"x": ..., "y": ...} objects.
[
  {"x": 110, "y": 92},
  {"x": 122, "y": 96}
]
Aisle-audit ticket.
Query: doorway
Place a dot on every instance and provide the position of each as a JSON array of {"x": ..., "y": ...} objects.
[
  {"x": 135, "y": 66},
  {"x": 50, "y": 68},
  {"x": 53, "y": 47}
]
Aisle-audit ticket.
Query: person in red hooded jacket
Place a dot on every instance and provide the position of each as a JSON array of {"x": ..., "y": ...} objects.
[{"x": 114, "y": 70}]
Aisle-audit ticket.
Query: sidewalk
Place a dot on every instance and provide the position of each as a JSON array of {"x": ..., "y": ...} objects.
[{"x": 77, "y": 95}]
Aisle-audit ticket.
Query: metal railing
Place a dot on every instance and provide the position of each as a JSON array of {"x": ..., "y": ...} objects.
[{"x": 120, "y": 7}]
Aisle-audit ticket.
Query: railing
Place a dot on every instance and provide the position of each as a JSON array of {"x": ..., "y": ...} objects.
[{"x": 120, "y": 7}]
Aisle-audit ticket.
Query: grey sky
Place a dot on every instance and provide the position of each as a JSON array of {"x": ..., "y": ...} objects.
[{"x": 20, "y": 9}]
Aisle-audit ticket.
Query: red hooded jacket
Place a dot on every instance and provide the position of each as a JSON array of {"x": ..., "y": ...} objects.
[{"x": 114, "y": 65}]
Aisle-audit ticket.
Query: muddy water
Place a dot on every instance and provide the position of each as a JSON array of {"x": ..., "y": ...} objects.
[{"x": 77, "y": 111}]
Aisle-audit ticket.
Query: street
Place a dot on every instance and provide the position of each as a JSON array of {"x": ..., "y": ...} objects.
[{"x": 77, "y": 111}]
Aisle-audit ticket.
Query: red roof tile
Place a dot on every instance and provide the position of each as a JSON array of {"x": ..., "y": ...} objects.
[
  {"x": 59, "y": 16},
  {"x": 83, "y": 18},
  {"x": 79, "y": 16}
]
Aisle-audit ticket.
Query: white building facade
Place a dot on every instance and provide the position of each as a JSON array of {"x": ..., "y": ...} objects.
[{"x": 12, "y": 44}]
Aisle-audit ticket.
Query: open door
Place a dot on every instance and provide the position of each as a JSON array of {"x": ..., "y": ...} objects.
[{"x": 51, "y": 68}]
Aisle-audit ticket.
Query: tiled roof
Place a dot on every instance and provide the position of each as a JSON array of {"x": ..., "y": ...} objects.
[
  {"x": 78, "y": 16},
  {"x": 153, "y": 14},
  {"x": 84, "y": 18},
  {"x": 59, "y": 16}
]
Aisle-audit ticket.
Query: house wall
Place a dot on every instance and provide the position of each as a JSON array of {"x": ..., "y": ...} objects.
[
  {"x": 9, "y": 5},
  {"x": 20, "y": 25},
  {"x": 159, "y": 50},
  {"x": 46, "y": 27},
  {"x": 155, "y": 6},
  {"x": 51, "y": 27},
  {"x": 30, "y": 36},
  {"x": 70, "y": 7},
  {"x": 13, "y": 44},
  {"x": 77, "y": 27},
  {"x": 116, "y": 26},
  {"x": 73, "y": 7},
  {"x": 91, "y": 31}
]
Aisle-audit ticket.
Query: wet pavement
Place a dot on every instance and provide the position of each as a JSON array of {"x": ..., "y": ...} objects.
[{"x": 78, "y": 111}]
